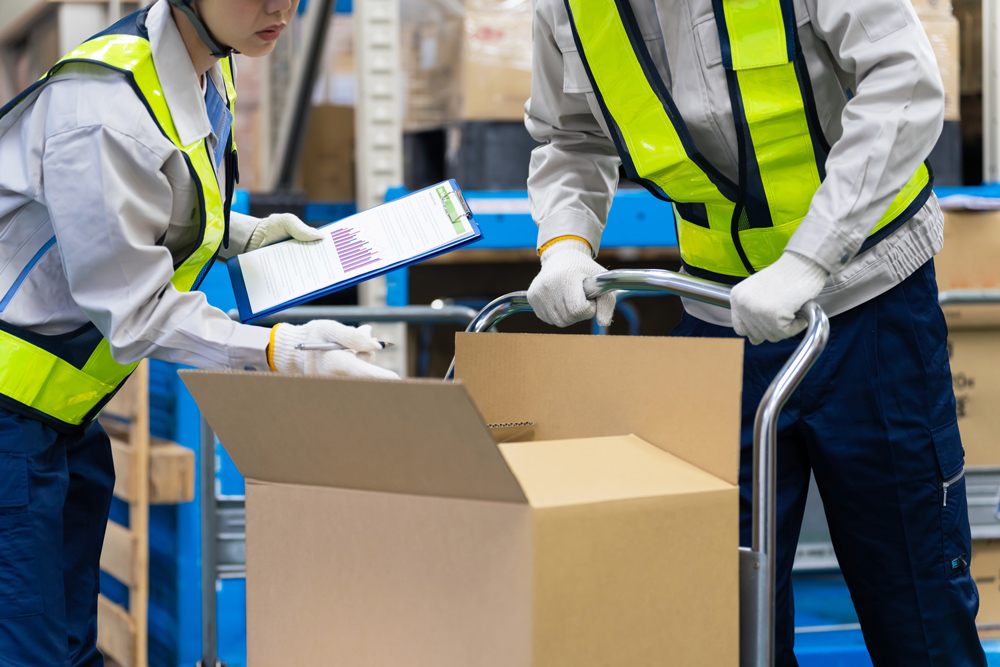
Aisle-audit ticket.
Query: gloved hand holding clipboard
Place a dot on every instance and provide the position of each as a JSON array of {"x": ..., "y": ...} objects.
[{"x": 405, "y": 231}]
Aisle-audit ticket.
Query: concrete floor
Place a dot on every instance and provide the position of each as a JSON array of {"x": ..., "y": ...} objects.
[{"x": 827, "y": 631}]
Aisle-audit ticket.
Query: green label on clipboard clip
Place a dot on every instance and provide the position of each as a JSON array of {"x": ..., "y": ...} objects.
[{"x": 449, "y": 207}]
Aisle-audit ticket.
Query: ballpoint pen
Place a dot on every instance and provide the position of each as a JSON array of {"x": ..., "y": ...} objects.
[{"x": 322, "y": 347}]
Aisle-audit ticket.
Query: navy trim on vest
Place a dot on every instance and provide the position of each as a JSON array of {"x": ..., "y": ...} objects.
[
  {"x": 230, "y": 188},
  {"x": 720, "y": 278},
  {"x": 791, "y": 28},
  {"x": 232, "y": 170},
  {"x": 7, "y": 108},
  {"x": 96, "y": 410},
  {"x": 821, "y": 147},
  {"x": 73, "y": 347},
  {"x": 904, "y": 217},
  {"x": 753, "y": 198},
  {"x": 720, "y": 23},
  {"x": 696, "y": 214},
  {"x": 9, "y": 404},
  {"x": 752, "y": 195}
]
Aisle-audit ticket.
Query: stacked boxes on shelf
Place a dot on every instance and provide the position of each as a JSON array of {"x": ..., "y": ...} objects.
[
  {"x": 326, "y": 161},
  {"x": 467, "y": 68},
  {"x": 465, "y": 61},
  {"x": 326, "y": 164},
  {"x": 968, "y": 261},
  {"x": 942, "y": 28},
  {"x": 943, "y": 31},
  {"x": 970, "y": 17}
]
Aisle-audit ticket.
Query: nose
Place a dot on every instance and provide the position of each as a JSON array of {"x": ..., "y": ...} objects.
[{"x": 281, "y": 6}]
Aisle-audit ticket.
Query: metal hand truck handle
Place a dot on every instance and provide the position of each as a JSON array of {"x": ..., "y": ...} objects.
[{"x": 757, "y": 564}]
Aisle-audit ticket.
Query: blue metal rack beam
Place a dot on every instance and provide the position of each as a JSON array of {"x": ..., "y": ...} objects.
[{"x": 636, "y": 220}]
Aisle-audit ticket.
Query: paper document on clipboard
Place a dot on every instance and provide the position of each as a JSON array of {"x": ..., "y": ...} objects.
[{"x": 370, "y": 243}]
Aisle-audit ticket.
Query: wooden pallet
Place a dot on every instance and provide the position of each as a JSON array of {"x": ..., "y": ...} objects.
[
  {"x": 122, "y": 635},
  {"x": 147, "y": 471}
]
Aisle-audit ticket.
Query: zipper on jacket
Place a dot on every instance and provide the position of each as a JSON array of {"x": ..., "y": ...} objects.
[{"x": 951, "y": 481}]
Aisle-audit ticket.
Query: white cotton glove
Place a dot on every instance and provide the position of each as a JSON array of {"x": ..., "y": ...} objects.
[
  {"x": 556, "y": 294},
  {"x": 279, "y": 227},
  {"x": 352, "y": 362},
  {"x": 764, "y": 305}
]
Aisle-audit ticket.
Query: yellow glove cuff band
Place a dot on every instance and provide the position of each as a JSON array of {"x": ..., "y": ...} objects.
[
  {"x": 557, "y": 239},
  {"x": 270, "y": 349}
]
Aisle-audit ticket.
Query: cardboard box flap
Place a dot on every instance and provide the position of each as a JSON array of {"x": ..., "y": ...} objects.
[
  {"x": 680, "y": 394},
  {"x": 557, "y": 473},
  {"x": 414, "y": 437}
]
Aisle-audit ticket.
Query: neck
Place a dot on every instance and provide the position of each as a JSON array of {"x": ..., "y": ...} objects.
[{"x": 201, "y": 55}]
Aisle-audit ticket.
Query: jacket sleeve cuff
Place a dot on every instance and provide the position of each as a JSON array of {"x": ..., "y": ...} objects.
[
  {"x": 241, "y": 227},
  {"x": 248, "y": 348},
  {"x": 571, "y": 223},
  {"x": 821, "y": 241}
]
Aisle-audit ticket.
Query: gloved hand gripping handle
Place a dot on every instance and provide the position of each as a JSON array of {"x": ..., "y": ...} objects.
[{"x": 757, "y": 570}]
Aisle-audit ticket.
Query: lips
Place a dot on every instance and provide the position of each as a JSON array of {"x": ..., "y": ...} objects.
[{"x": 271, "y": 32}]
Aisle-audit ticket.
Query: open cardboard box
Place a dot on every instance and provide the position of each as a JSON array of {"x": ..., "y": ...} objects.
[{"x": 386, "y": 526}]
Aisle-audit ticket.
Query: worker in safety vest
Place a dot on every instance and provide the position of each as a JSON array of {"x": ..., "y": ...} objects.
[
  {"x": 791, "y": 137},
  {"x": 116, "y": 177}
]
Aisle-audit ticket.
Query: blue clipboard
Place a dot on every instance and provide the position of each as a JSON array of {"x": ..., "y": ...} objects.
[{"x": 454, "y": 202}]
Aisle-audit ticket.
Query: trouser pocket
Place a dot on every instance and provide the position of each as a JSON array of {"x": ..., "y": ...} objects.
[
  {"x": 955, "y": 534},
  {"x": 20, "y": 592}
]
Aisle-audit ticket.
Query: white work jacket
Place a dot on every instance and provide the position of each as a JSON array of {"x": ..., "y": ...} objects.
[
  {"x": 881, "y": 106},
  {"x": 87, "y": 165}
]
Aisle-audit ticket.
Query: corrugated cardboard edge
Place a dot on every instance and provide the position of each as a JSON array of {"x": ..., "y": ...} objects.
[{"x": 421, "y": 437}]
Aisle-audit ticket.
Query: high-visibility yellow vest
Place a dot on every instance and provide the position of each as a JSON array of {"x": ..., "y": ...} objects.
[
  {"x": 726, "y": 230},
  {"x": 65, "y": 380}
]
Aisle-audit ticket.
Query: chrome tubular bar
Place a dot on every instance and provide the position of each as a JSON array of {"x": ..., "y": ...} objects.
[
  {"x": 757, "y": 564},
  {"x": 963, "y": 297},
  {"x": 758, "y": 578},
  {"x": 445, "y": 314}
]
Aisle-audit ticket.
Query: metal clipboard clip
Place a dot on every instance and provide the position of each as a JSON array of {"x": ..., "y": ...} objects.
[{"x": 462, "y": 207}]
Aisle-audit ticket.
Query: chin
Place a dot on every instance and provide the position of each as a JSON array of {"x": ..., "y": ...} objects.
[{"x": 256, "y": 49}]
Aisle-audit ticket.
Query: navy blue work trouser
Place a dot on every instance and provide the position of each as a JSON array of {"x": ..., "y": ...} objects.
[
  {"x": 55, "y": 494},
  {"x": 875, "y": 422}
]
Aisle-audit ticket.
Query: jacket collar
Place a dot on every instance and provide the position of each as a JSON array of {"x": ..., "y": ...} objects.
[{"x": 181, "y": 87}]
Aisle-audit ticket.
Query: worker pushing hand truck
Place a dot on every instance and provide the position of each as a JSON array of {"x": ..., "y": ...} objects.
[{"x": 788, "y": 138}]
